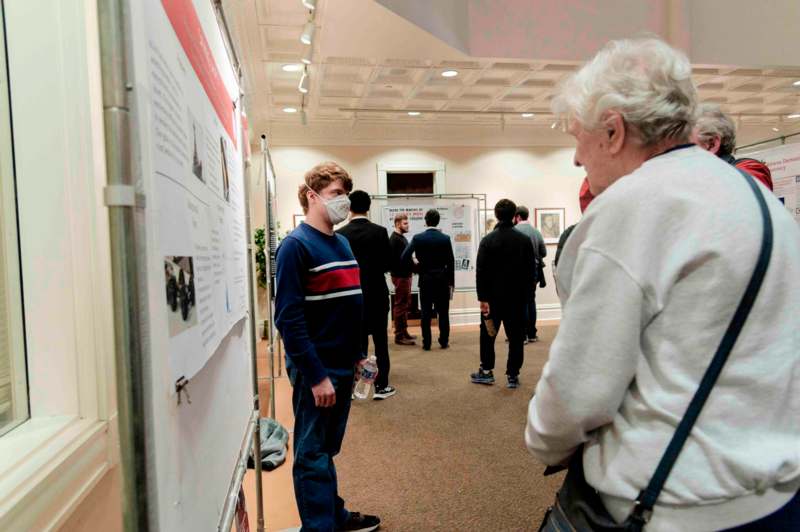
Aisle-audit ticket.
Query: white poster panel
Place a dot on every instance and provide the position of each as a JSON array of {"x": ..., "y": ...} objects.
[
  {"x": 458, "y": 221},
  {"x": 784, "y": 164},
  {"x": 197, "y": 187}
]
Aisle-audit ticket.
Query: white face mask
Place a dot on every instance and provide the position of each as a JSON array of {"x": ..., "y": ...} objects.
[{"x": 337, "y": 208}]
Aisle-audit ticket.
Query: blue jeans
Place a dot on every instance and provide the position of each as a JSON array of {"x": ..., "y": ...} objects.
[{"x": 318, "y": 434}]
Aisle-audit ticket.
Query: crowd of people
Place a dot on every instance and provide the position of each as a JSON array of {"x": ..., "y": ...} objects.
[{"x": 651, "y": 282}]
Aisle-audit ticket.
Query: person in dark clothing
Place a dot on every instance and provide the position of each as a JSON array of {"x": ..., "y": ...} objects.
[
  {"x": 434, "y": 254},
  {"x": 318, "y": 309},
  {"x": 504, "y": 280},
  {"x": 370, "y": 245},
  {"x": 401, "y": 279},
  {"x": 523, "y": 225}
]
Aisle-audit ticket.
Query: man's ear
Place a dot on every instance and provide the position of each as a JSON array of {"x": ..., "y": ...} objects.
[
  {"x": 714, "y": 144},
  {"x": 614, "y": 125}
]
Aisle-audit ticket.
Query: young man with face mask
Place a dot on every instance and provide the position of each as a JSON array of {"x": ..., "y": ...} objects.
[{"x": 318, "y": 310}]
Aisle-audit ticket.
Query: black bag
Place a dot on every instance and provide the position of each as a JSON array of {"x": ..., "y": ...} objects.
[{"x": 578, "y": 506}]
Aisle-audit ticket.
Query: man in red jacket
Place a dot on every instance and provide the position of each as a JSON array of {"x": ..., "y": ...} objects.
[{"x": 716, "y": 132}]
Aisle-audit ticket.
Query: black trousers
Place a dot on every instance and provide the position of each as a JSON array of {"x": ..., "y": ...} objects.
[
  {"x": 512, "y": 316},
  {"x": 530, "y": 317},
  {"x": 376, "y": 323},
  {"x": 435, "y": 296}
]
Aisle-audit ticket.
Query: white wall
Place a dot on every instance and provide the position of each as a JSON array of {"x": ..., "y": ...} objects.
[{"x": 535, "y": 177}]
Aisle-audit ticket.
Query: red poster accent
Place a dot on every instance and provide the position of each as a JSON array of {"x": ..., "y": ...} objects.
[
  {"x": 246, "y": 136},
  {"x": 184, "y": 20}
]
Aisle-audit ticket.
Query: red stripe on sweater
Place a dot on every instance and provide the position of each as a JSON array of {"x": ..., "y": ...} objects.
[{"x": 327, "y": 281}]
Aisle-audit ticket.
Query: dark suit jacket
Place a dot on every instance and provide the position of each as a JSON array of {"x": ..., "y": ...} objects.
[
  {"x": 435, "y": 255},
  {"x": 504, "y": 273},
  {"x": 370, "y": 245}
]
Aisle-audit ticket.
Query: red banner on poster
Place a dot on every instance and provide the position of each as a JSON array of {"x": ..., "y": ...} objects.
[{"x": 184, "y": 20}]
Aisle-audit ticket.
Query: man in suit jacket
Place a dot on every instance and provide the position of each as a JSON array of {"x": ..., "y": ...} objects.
[
  {"x": 434, "y": 254},
  {"x": 504, "y": 281},
  {"x": 370, "y": 245}
]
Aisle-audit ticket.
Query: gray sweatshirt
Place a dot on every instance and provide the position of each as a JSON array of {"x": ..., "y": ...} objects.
[{"x": 649, "y": 281}]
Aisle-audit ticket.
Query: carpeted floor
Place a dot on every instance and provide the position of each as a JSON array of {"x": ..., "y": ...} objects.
[{"x": 446, "y": 454}]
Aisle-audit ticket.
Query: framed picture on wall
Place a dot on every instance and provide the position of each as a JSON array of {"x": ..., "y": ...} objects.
[
  {"x": 551, "y": 224},
  {"x": 487, "y": 220},
  {"x": 298, "y": 219}
]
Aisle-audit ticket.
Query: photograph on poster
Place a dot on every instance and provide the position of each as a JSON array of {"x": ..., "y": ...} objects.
[
  {"x": 197, "y": 144},
  {"x": 488, "y": 221},
  {"x": 298, "y": 219},
  {"x": 179, "y": 278},
  {"x": 226, "y": 184},
  {"x": 551, "y": 223}
]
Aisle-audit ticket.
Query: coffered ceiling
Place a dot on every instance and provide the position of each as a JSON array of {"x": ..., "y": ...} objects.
[{"x": 371, "y": 67}]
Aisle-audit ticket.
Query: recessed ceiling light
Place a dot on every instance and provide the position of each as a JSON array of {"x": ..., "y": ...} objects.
[
  {"x": 527, "y": 115},
  {"x": 414, "y": 113},
  {"x": 796, "y": 83},
  {"x": 775, "y": 129},
  {"x": 292, "y": 67},
  {"x": 794, "y": 115},
  {"x": 289, "y": 110},
  {"x": 450, "y": 73}
]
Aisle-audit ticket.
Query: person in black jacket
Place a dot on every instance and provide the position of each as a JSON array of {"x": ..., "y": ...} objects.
[
  {"x": 401, "y": 279},
  {"x": 370, "y": 245},
  {"x": 504, "y": 277},
  {"x": 434, "y": 254}
]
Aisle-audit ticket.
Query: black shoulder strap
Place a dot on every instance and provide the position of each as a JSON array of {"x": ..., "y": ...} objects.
[{"x": 647, "y": 498}]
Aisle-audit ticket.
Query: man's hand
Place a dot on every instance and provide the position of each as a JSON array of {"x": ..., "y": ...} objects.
[
  {"x": 484, "y": 308},
  {"x": 324, "y": 393}
]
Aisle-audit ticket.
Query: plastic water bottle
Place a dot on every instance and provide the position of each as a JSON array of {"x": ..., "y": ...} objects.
[
  {"x": 491, "y": 328},
  {"x": 369, "y": 370}
]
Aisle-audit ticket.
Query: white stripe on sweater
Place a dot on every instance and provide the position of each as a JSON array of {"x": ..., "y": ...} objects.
[
  {"x": 334, "y": 295},
  {"x": 333, "y": 265}
]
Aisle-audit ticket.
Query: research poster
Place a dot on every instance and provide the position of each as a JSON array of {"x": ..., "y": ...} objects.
[
  {"x": 458, "y": 221},
  {"x": 194, "y": 143},
  {"x": 784, "y": 164}
]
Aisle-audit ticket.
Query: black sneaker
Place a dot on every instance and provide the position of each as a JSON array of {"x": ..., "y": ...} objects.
[
  {"x": 533, "y": 340},
  {"x": 482, "y": 377},
  {"x": 360, "y": 523},
  {"x": 513, "y": 382},
  {"x": 383, "y": 393},
  {"x": 426, "y": 347}
]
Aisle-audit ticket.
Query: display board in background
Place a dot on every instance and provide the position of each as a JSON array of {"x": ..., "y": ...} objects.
[
  {"x": 458, "y": 220},
  {"x": 189, "y": 162},
  {"x": 784, "y": 164}
]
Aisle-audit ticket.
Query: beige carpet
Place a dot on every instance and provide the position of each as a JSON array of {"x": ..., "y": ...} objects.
[{"x": 446, "y": 454}]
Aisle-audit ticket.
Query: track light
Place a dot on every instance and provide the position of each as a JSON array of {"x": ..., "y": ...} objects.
[
  {"x": 554, "y": 125},
  {"x": 306, "y": 59},
  {"x": 450, "y": 73},
  {"x": 414, "y": 113},
  {"x": 289, "y": 110},
  {"x": 303, "y": 86},
  {"x": 793, "y": 116},
  {"x": 308, "y": 33},
  {"x": 527, "y": 115},
  {"x": 292, "y": 67},
  {"x": 303, "y": 117},
  {"x": 310, "y": 4}
]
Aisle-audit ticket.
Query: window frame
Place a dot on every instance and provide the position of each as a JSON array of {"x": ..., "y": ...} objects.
[
  {"x": 51, "y": 462},
  {"x": 10, "y": 241}
]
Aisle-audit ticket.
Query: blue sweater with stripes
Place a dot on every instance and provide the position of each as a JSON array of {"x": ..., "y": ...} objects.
[{"x": 318, "y": 302}]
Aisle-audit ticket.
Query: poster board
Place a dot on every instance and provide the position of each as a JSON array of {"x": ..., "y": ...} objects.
[
  {"x": 189, "y": 163},
  {"x": 458, "y": 220},
  {"x": 784, "y": 164}
]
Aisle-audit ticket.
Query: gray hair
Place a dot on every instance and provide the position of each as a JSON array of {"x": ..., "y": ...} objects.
[
  {"x": 712, "y": 122},
  {"x": 647, "y": 81}
]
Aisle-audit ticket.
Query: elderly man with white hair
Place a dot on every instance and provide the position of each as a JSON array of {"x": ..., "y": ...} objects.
[
  {"x": 649, "y": 282},
  {"x": 715, "y": 131}
]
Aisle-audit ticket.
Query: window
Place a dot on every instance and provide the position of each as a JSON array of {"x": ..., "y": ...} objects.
[{"x": 13, "y": 378}]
